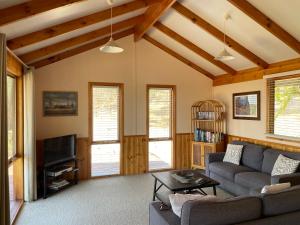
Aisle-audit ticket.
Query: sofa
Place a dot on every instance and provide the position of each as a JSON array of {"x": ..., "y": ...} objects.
[
  {"x": 254, "y": 171},
  {"x": 282, "y": 208},
  {"x": 244, "y": 181}
]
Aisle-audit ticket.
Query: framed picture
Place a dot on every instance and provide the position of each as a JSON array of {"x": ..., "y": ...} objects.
[
  {"x": 246, "y": 105},
  {"x": 58, "y": 103}
]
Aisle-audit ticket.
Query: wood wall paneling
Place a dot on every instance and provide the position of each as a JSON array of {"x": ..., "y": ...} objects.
[
  {"x": 183, "y": 151},
  {"x": 135, "y": 154},
  {"x": 135, "y": 157},
  {"x": 269, "y": 144}
]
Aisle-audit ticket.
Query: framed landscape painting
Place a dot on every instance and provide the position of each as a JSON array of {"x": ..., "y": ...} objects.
[
  {"x": 58, "y": 103},
  {"x": 246, "y": 105}
]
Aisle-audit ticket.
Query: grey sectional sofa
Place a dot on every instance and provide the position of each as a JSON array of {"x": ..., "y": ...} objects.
[
  {"x": 271, "y": 209},
  {"x": 245, "y": 181},
  {"x": 254, "y": 172}
]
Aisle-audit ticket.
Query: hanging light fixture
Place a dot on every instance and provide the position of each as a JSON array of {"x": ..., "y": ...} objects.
[
  {"x": 224, "y": 54},
  {"x": 111, "y": 46}
]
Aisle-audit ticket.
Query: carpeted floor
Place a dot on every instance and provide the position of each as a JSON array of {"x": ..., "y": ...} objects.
[{"x": 107, "y": 201}]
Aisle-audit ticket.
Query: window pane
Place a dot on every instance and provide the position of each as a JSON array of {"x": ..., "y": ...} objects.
[
  {"x": 105, "y": 159},
  {"x": 287, "y": 107},
  {"x": 160, "y": 112},
  {"x": 105, "y": 113},
  {"x": 160, "y": 155},
  {"x": 11, "y": 116}
]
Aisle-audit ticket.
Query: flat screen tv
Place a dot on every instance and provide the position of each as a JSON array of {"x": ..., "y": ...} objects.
[{"x": 59, "y": 149}]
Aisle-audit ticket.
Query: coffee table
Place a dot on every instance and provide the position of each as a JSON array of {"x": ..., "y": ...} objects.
[{"x": 175, "y": 186}]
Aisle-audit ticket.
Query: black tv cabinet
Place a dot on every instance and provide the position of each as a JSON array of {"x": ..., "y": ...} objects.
[{"x": 59, "y": 173}]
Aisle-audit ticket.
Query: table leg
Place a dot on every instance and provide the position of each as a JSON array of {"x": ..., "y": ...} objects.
[
  {"x": 215, "y": 191},
  {"x": 154, "y": 190}
]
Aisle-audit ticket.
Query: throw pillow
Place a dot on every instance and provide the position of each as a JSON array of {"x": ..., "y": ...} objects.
[
  {"x": 233, "y": 154},
  {"x": 177, "y": 200},
  {"x": 284, "y": 165},
  {"x": 271, "y": 189}
]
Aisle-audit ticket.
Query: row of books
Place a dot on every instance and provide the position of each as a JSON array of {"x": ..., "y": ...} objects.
[{"x": 207, "y": 136}]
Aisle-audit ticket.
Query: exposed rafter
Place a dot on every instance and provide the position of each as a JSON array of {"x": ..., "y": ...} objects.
[
  {"x": 193, "y": 47},
  {"x": 27, "y": 9},
  {"x": 219, "y": 35},
  {"x": 258, "y": 73},
  {"x": 179, "y": 57},
  {"x": 75, "y": 24},
  {"x": 152, "y": 15},
  {"x": 48, "y": 50},
  {"x": 267, "y": 23},
  {"x": 80, "y": 49}
]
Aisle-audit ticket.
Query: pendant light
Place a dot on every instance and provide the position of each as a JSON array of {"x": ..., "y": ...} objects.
[
  {"x": 224, "y": 54},
  {"x": 111, "y": 46}
]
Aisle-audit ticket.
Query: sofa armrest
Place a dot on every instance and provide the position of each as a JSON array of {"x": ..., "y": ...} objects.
[
  {"x": 214, "y": 157},
  {"x": 293, "y": 178}
]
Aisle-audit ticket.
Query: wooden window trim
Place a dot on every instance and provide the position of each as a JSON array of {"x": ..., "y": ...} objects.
[
  {"x": 173, "y": 122},
  {"x": 121, "y": 123},
  {"x": 18, "y": 160},
  {"x": 270, "y": 127}
]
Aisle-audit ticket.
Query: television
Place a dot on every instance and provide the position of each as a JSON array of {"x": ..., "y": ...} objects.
[{"x": 59, "y": 149}]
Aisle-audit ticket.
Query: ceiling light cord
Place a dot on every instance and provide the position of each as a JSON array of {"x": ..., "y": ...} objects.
[
  {"x": 224, "y": 36},
  {"x": 111, "y": 21}
]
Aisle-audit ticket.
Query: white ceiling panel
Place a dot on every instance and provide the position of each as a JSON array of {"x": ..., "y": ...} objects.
[
  {"x": 9, "y": 3},
  {"x": 203, "y": 39},
  {"x": 283, "y": 12},
  {"x": 185, "y": 52},
  {"x": 76, "y": 33},
  {"x": 55, "y": 16},
  {"x": 242, "y": 28}
]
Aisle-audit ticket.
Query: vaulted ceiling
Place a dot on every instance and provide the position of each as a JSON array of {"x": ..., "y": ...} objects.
[{"x": 261, "y": 35}]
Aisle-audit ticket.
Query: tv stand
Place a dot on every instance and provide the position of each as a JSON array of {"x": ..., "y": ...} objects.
[{"x": 59, "y": 176}]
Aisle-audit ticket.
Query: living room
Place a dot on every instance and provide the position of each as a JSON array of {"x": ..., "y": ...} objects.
[{"x": 150, "y": 112}]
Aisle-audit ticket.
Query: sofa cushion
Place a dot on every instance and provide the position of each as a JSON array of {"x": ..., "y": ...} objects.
[
  {"x": 227, "y": 170},
  {"x": 162, "y": 217},
  {"x": 233, "y": 154},
  {"x": 283, "y": 202},
  {"x": 252, "y": 180},
  {"x": 285, "y": 165},
  {"x": 271, "y": 155},
  {"x": 223, "y": 212},
  {"x": 252, "y": 154}
]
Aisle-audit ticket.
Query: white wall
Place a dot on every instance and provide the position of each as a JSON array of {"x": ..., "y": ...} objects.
[
  {"x": 140, "y": 64},
  {"x": 245, "y": 128}
]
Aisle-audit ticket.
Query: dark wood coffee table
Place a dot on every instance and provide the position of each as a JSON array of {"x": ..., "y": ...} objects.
[{"x": 174, "y": 186}]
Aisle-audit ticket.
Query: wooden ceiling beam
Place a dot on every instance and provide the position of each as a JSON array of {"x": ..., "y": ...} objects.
[
  {"x": 219, "y": 35},
  {"x": 194, "y": 48},
  {"x": 152, "y": 15},
  {"x": 31, "y": 8},
  {"x": 48, "y": 50},
  {"x": 75, "y": 24},
  {"x": 258, "y": 73},
  {"x": 83, "y": 48},
  {"x": 179, "y": 57},
  {"x": 267, "y": 23}
]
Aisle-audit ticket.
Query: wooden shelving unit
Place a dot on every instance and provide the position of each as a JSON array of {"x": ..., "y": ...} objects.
[{"x": 208, "y": 130}]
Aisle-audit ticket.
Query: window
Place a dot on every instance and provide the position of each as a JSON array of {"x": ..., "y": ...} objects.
[
  {"x": 284, "y": 106},
  {"x": 106, "y": 100},
  {"x": 161, "y": 124},
  {"x": 11, "y": 117},
  {"x": 15, "y": 149}
]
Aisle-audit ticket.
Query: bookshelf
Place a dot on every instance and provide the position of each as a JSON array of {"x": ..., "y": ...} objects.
[{"x": 208, "y": 130}]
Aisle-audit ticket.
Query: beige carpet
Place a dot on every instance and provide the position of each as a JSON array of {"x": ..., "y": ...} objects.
[{"x": 107, "y": 201}]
